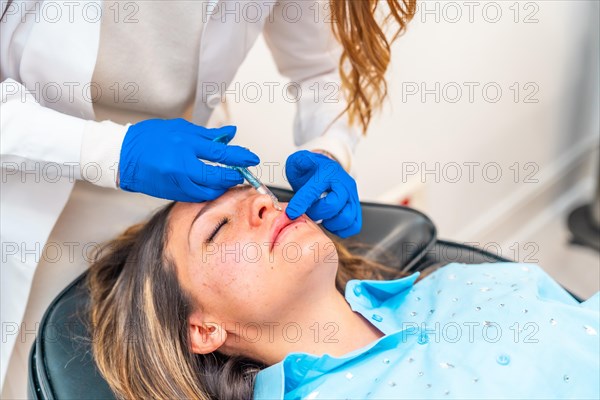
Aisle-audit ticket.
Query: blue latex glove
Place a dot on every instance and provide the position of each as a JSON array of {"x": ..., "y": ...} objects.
[
  {"x": 312, "y": 174},
  {"x": 160, "y": 158}
]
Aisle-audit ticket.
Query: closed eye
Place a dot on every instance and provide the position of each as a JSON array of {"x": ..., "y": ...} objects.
[{"x": 216, "y": 230}]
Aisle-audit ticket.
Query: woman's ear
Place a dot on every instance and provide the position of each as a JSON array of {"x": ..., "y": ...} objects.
[{"x": 205, "y": 337}]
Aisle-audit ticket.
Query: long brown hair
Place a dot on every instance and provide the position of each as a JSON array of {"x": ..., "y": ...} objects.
[
  {"x": 366, "y": 50},
  {"x": 139, "y": 320}
]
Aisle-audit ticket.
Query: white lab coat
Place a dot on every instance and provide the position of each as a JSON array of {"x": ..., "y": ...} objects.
[{"x": 42, "y": 136}]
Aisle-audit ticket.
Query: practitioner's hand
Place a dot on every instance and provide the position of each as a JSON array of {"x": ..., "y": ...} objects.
[
  {"x": 311, "y": 174},
  {"x": 161, "y": 158}
]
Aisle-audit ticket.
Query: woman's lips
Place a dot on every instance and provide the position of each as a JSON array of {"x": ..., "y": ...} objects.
[{"x": 280, "y": 224}]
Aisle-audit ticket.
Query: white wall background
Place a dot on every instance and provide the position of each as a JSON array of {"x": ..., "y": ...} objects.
[{"x": 548, "y": 49}]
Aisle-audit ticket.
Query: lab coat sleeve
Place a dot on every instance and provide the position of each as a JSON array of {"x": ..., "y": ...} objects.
[
  {"x": 43, "y": 142},
  {"x": 306, "y": 51}
]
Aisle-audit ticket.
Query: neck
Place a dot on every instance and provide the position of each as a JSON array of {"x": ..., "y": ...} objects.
[{"x": 319, "y": 326}]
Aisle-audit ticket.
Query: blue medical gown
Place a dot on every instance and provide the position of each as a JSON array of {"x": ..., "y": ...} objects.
[{"x": 502, "y": 330}]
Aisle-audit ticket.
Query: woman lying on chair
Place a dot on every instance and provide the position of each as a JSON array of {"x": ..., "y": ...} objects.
[{"x": 231, "y": 300}]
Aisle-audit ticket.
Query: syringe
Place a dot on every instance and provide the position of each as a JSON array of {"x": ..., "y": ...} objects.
[
  {"x": 252, "y": 179},
  {"x": 258, "y": 185}
]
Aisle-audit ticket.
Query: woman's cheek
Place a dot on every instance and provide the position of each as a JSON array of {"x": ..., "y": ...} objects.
[
  {"x": 307, "y": 248},
  {"x": 242, "y": 252},
  {"x": 324, "y": 253}
]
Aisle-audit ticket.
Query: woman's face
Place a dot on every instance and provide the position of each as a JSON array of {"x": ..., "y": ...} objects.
[{"x": 243, "y": 261}]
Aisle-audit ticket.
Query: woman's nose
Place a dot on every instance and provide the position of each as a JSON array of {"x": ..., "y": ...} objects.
[{"x": 261, "y": 206}]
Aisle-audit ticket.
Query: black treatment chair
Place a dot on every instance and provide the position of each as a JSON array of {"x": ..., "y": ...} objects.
[{"x": 61, "y": 365}]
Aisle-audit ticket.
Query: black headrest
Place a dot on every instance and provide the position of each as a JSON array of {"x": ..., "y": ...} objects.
[{"x": 61, "y": 365}]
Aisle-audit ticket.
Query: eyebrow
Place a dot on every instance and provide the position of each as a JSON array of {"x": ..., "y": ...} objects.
[
  {"x": 202, "y": 211},
  {"x": 212, "y": 204}
]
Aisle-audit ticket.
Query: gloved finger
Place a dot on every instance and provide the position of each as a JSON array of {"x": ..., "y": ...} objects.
[
  {"x": 225, "y": 154},
  {"x": 226, "y": 133},
  {"x": 356, "y": 226},
  {"x": 330, "y": 205},
  {"x": 306, "y": 196},
  {"x": 212, "y": 175},
  {"x": 197, "y": 193},
  {"x": 299, "y": 167},
  {"x": 343, "y": 220},
  {"x": 353, "y": 229}
]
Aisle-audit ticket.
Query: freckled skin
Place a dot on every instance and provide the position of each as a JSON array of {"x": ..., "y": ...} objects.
[{"x": 229, "y": 287}]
